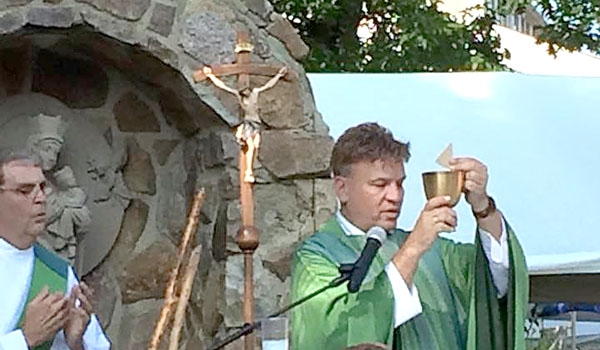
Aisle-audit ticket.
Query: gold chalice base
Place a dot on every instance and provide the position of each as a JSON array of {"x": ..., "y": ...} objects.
[{"x": 444, "y": 183}]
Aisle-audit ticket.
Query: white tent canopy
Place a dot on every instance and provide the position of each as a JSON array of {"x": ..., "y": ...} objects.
[
  {"x": 539, "y": 136},
  {"x": 568, "y": 263}
]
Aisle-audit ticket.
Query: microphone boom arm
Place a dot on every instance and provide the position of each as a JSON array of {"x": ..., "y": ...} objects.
[{"x": 247, "y": 328}]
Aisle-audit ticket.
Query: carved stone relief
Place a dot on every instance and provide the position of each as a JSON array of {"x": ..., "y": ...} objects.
[
  {"x": 87, "y": 197},
  {"x": 68, "y": 216}
]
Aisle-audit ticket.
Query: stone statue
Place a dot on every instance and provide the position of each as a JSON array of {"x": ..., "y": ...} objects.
[
  {"x": 248, "y": 131},
  {"x": 68, "y": 216}
]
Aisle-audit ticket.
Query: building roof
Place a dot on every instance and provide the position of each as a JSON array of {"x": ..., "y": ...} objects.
[
  {"x": 565, "y": 277},
  {"x": 528, "y": 57}
]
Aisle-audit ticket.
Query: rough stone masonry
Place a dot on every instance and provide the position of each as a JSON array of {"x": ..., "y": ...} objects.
[{"x": 142, "y": 136}]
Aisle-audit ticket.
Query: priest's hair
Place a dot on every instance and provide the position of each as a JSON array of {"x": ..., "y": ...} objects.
[
  {"x": 16, "y": 155},
  {"x": 366, "y": 142}
]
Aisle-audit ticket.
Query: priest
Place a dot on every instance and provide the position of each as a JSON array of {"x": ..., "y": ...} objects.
[
  {"x": 43, "y": 305},
  {"x": 421, "y": 291}
]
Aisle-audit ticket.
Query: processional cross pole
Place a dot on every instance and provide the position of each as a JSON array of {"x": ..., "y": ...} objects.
[{"x": 247, "y": 134}]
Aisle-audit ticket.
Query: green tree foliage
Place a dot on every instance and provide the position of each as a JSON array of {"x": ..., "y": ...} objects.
[
  {"x": 571, "y": 24},
  {"x": 413, "y": 36}
]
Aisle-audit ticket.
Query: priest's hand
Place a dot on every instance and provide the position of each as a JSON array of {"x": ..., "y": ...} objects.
[
  {"x": 79, "y": 316},
  {"x": 44, "y": 316},
  {"x": 476, "y": 179},
  {"x": 436, "y": 217}
]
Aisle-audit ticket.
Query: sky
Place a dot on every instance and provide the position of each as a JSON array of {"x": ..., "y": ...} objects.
[{"x": 538, "y": 135}]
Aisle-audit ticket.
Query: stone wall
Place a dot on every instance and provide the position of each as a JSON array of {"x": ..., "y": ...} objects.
[{"x": 143, "y": 135}]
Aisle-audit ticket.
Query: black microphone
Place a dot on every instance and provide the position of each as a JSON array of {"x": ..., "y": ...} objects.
[{"x": 375, "y": 238}]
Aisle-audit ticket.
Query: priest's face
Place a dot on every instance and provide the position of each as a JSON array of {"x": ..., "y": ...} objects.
[
  {"x": 22, "y": 203},
  {"x": 372, "y": 193}
]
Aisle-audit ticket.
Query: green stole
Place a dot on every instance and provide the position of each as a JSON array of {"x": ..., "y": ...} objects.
[
  {"x": 460, "y": 307},
  {"x": 48, "y": 270},
  {"x": 335, "y": 318}
]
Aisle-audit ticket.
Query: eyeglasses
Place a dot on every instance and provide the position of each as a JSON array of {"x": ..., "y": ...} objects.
[{"x": 28, "y": 190}]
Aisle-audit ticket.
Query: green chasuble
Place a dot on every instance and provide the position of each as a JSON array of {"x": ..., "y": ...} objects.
[
  {"x": 48, "y": 270},
  {"x": 461, "y": 309}
]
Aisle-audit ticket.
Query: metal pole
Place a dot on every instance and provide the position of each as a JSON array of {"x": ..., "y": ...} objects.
[{"x": 573, "y": 330}]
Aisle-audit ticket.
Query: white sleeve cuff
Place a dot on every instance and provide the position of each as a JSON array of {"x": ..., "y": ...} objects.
[
  {"x": 497, "y": 255},
  {"x": 406, "y": 302},
  {"x": 14, "y": 340},
  {"x": 496, "y": 252},
  {"x": 94, "y": 338}
]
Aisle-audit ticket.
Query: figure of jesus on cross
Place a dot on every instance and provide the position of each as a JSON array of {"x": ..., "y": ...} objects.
[{"x": 247, "y": 132}]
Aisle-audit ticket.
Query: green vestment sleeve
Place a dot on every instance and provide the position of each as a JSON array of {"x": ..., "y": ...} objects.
[{"x": 493, "y": 323}]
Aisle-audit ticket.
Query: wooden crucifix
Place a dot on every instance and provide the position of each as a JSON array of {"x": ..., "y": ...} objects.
[{"x": 247, "y": 133}]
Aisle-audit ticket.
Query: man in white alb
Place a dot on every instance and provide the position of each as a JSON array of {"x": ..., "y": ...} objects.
[{"x": 44, "y": 307}]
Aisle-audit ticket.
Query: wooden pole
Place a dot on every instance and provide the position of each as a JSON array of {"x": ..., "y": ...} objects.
[
  {"x": 247, "y": 238},
  {"x": 170, "y": 292},
  {"x": 184, "y": 296}
]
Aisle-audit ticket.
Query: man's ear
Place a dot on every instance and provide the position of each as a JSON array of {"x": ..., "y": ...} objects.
[{"x": 341, "y": 188}]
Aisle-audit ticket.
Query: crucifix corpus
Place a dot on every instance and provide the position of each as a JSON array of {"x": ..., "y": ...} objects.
[{"x": 247, "y": 134}]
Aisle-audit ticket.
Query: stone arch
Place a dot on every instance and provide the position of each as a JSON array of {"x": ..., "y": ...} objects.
[{"x": 73, "y": 73}]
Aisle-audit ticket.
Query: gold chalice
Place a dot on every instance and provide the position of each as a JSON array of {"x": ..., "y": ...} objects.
[{"x": 444, "y": 183}]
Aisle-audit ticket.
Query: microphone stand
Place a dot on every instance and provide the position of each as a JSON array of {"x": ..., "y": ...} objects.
[{"x": 247, "y": 328}]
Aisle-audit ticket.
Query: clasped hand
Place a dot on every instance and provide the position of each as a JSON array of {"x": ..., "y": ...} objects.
[{"x": 49, "y": 312}]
